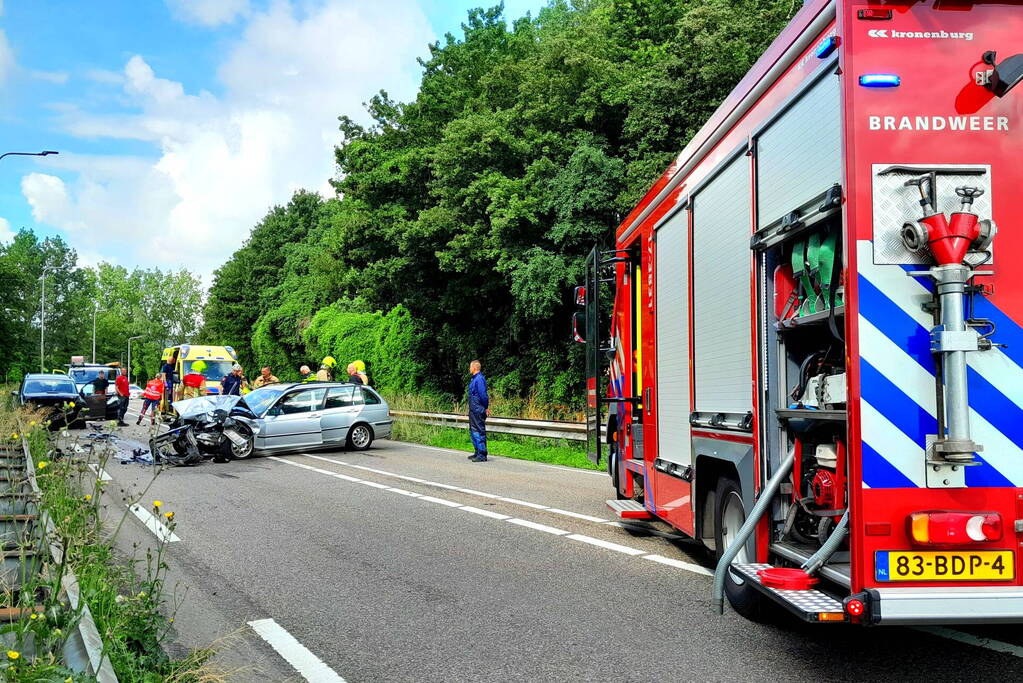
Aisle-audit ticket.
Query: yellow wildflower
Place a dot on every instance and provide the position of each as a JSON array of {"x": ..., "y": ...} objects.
[
  {"x": 32, "y": 423},
  {"x": 169, "y": 515},
  {"x": 71, "y": 404},
  {"x": 34, "y": 617},
  {"x": 13, "y": 654},
  {"x": 157, "y": 503},
  {"x": 42, "y": 464}
]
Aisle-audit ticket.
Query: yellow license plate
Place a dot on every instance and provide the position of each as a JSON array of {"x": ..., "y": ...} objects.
[{"x": 944, "y": 565}]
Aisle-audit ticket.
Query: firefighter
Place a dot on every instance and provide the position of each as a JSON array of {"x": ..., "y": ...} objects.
[
  {"x": 360, "y": 369},
  {"x": 195, "y": 382},
  {"x": 479, "y": 411},
  {"x": 265, "y": 377},
  {"x": 326, "y": 372}
]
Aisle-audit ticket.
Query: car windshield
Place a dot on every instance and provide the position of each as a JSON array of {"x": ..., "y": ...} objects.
[
  {"x": 50, "y": 385},
  {"x": 260, "y": 400},
  {"x": 214, "y": 371},
  {"x": 86, "y": 375}
]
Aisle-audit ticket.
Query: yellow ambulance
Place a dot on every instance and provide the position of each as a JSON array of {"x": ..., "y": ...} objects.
[{"x": 218, "y": 360}]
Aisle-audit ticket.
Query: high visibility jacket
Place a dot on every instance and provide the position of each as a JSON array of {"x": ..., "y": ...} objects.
[{"x": 154, "y": 390}]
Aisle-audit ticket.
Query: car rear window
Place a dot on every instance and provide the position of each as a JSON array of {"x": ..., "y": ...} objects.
[
  {"x": 50, "y": 386},
  {"x": 343, "y": 397},
  {"x": 370, "y": 397}
]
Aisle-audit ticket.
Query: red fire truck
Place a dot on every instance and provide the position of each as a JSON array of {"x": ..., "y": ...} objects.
[{"x": 805, "y": 347}]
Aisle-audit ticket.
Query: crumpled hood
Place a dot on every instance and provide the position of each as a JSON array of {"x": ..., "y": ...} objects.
[{"x": 195, "y": 407}]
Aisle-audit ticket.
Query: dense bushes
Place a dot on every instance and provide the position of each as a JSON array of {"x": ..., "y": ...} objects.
[{"x": 471, "y": 208}]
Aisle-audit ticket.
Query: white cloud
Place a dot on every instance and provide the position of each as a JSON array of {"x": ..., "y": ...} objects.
[
  {"x": 55, "y": 77},
  {"x": 222, "y": 161},
  {"x": 6, "y": 234},
  {"x": 209, "y": 12},
  {"x": 6, "y": 57}
]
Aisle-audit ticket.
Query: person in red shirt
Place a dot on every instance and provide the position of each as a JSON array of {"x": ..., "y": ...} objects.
[
  {"x": 151, "y": 399},
  {"x": 195, "y": 381},
  {"x": 123, "y": 390}
]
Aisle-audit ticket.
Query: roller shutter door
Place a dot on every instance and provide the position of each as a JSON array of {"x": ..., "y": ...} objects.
[
  {"x": 799, "y": 155},
  {"x": 721, "y": 292},
  {"x": 672, "y": 292}
]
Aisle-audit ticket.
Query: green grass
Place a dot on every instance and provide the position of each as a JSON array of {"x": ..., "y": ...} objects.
[{"x": 550, "y": 451}]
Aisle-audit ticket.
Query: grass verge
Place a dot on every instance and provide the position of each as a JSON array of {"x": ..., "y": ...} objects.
[
  {"x": 127, "y": 598},
  {"x": 550, "y": 451}
]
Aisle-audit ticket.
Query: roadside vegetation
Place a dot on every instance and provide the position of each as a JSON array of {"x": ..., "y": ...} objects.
[
  {"x": 127, "y": 597},
  {"x": 551, "y": 451},
  {"x": 464, "y": 215}
]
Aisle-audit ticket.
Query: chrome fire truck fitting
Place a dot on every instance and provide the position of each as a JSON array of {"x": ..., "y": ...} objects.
[{"x": 949, "y": 240}]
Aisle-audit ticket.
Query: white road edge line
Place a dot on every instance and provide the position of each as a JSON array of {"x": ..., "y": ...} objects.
[
  {"x": 539, "y": 527},
  {"x": 970, "y": 639},
  {"x": 679, "y": 564},
  {"x": 153, "y": 524},
  {"x": 308, "y": 665},
  {"x": 472, "y": 492},
  {"x": 633, "y": 552},
  {"x": 607, "y": 544}
]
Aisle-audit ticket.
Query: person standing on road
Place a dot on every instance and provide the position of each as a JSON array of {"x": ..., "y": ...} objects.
[
  {"x": 151, "y": 399},
  {"x": 353, "y": 374},
  {"x": 122, "y": 388},
  {"x": 265, "y": 377},
  {"x": 194, "y": 382},
  {"x": 306, "y": 374},
  {"x": 479, "y": 411},
  {"x": 231, "y": 385},
  {"x": 100, "y": 384}
]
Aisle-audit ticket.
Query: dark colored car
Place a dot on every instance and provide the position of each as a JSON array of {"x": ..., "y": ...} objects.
[{"x": 54, "y": 393}]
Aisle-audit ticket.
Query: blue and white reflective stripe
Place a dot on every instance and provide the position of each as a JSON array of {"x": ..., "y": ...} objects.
[{"x": 897, "y": 374}]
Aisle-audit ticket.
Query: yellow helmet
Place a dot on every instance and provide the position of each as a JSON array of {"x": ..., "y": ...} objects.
[
  {"x": 329, "y": 362},
  {"x": 360, "y": 366},
  {"x": 198, "y": 366}
]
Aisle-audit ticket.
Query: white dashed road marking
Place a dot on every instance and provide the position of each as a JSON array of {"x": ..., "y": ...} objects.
[
  {"x": 970, "y": 639},
  {"x": 308, "y": 665},
  {"x": 471, "y": 492},
  {"x": 100, "y": 472},
  {"x": 153, "y": 524}
]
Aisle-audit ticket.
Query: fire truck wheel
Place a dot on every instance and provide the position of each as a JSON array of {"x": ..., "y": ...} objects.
[{"x": 729, "y": 516}]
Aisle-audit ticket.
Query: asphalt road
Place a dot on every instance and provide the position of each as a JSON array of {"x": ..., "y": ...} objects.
[{"x": 407, "y": 563}]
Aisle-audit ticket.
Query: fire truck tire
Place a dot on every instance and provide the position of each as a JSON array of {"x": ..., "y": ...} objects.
[
  {"x": 729, "y": 514},
  {"x": 612, "y": 469}
]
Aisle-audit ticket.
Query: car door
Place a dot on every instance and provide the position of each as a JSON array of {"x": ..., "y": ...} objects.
[
  {"x": 294, "y": 421},
  {"x": 339, "y": 412}
]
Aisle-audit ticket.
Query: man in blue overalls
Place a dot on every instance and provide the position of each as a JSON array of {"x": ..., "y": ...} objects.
[{"x": 479, "y": 410}]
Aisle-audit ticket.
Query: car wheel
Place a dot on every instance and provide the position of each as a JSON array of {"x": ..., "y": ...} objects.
[
  {"x": 360, "y": 437},
  {"x": 240, "y": 452}
]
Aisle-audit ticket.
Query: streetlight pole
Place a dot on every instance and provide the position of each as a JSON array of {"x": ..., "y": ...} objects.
[
  {"x": 42, "y": 320},
  {"x": 129, "y": 355},
  {"x": 95, "y": 309},
  {"x": 44, "y": 153}
]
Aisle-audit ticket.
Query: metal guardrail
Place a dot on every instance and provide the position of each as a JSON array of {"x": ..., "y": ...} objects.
[
  {"x": 83, "y": 650},
  {"x": 549, "y": 429}
]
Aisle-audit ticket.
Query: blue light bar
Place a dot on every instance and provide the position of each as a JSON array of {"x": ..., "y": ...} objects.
[
  {"x": 827, "y": 46},
  {"x": 880, "y": 80}
]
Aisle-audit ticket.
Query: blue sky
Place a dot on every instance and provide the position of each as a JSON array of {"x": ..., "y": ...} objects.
[{"x": 180, "y": 122}]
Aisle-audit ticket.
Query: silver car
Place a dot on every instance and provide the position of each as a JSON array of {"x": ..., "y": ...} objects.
[{"x": 286, "y": 417}]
